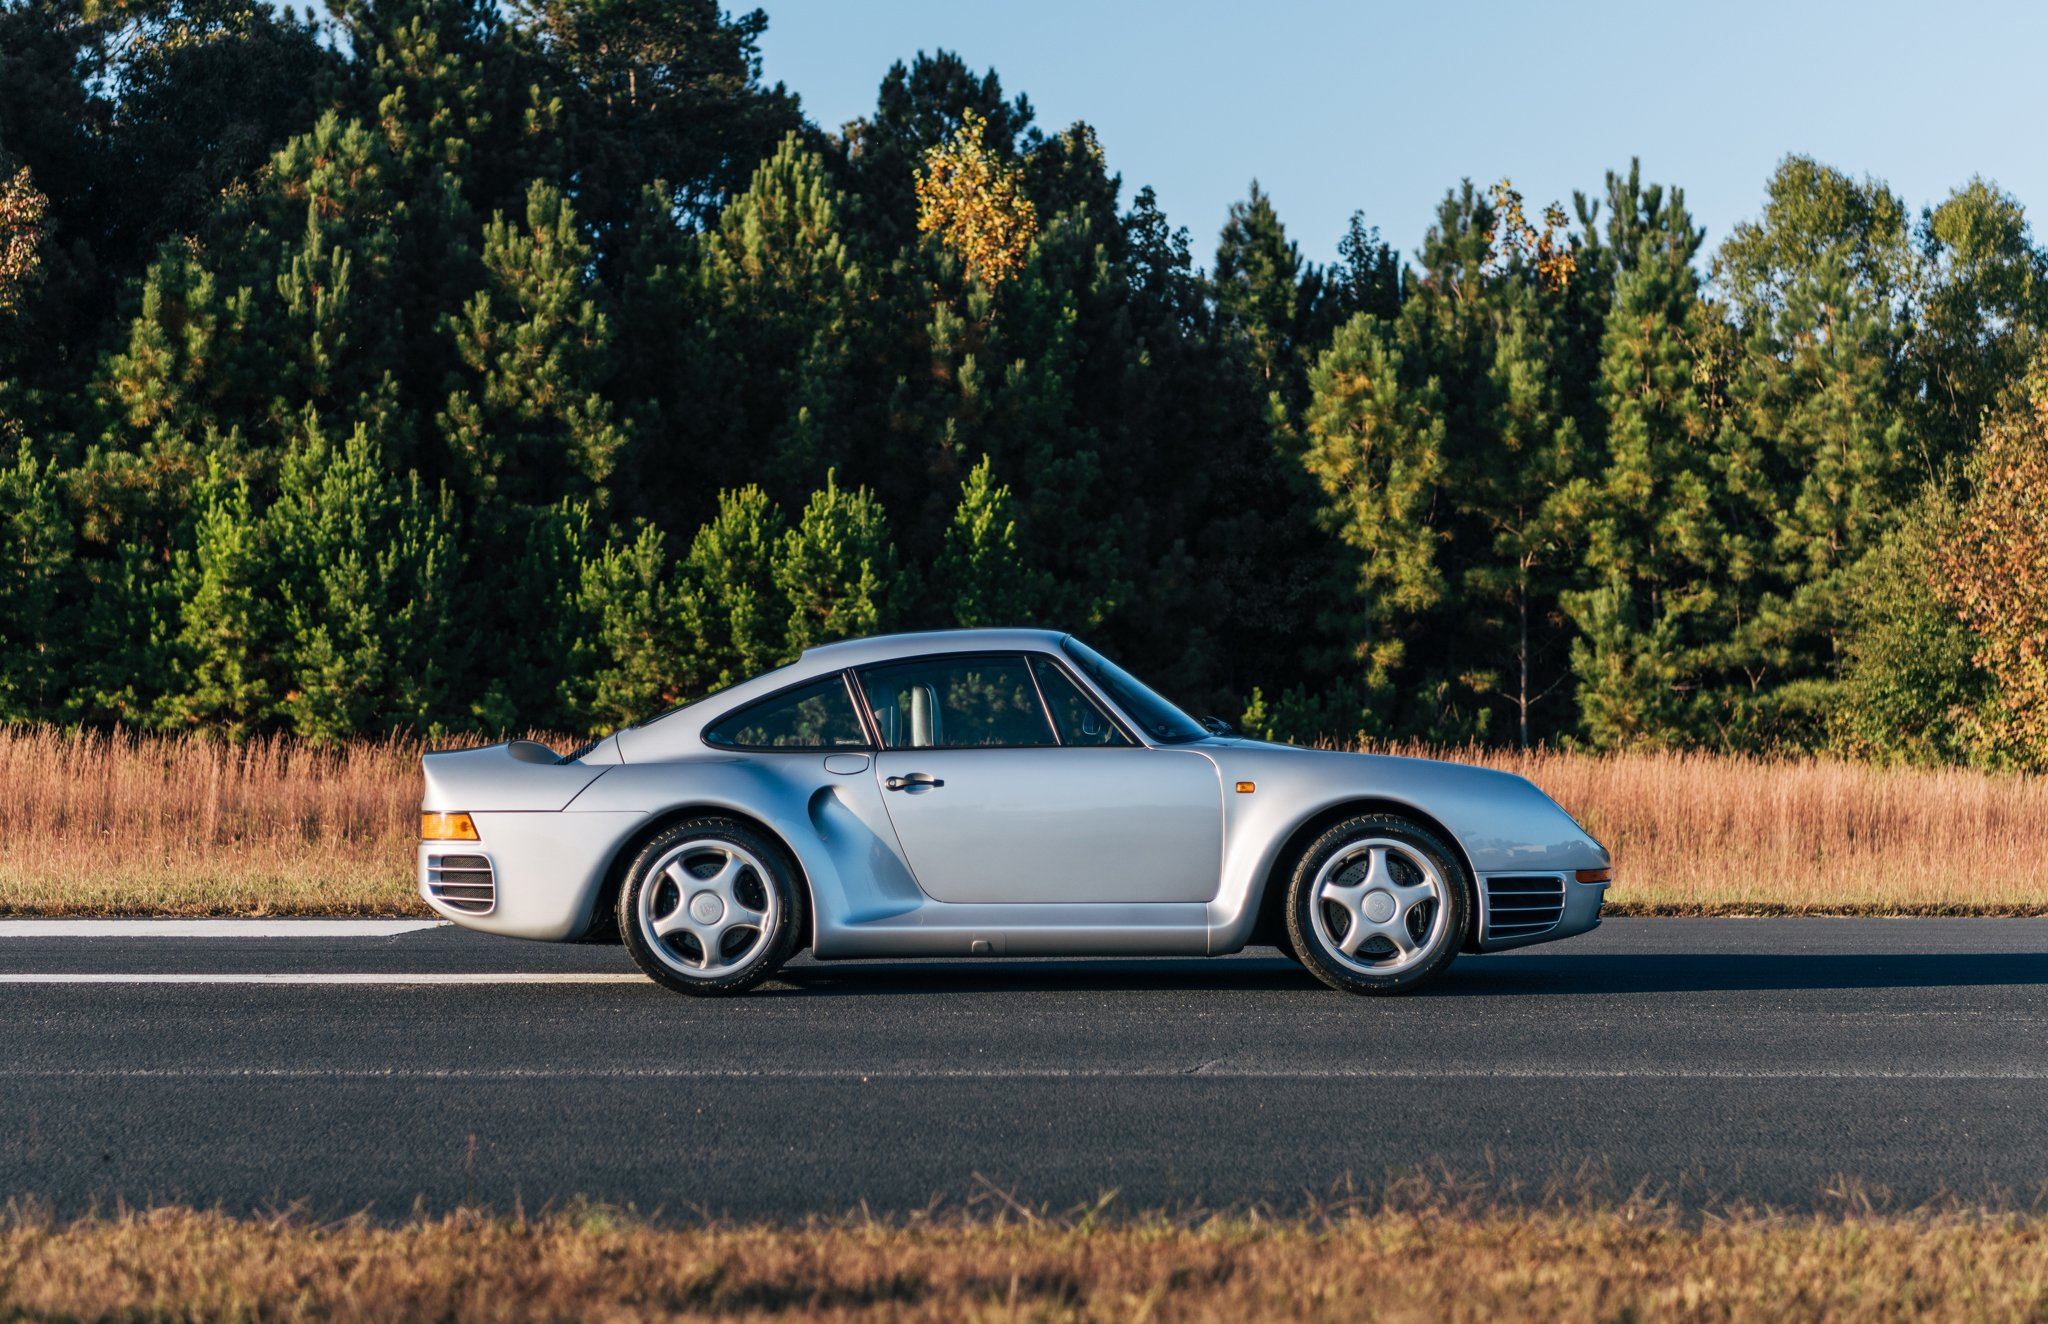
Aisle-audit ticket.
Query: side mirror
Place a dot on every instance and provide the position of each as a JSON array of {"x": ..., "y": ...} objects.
[{"x": 1216, "y": 726}]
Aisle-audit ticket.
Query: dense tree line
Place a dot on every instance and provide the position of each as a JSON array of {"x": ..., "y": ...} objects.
[{"x": 442, "y": 365}]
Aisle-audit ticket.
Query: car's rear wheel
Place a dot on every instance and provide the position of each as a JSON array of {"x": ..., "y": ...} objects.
[
  {"x": 709, "y": 907},
  {"x": 1377, "y": 904}
]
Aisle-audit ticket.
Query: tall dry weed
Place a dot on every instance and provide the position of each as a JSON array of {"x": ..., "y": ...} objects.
[
  {"x": 1709, "y": 833},
  {"x": 134, "y": 823},
  {"x": 139, "y": 823},
  {"x": 1633, "y": 1262}
]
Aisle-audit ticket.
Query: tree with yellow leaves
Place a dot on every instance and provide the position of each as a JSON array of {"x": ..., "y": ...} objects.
[
  {"x": 21, "y": 236},
  {"x": 1995, "y": 567},
  {"x": 1514, "y": 237},
  {"x": 973, "y": 199}
]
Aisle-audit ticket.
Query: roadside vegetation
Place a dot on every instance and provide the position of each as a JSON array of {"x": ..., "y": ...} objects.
[
  {"x": 449, "y": 365},
  {"x": 139, "y": 824},
  {"x": 149, "y": 824},
  {"x": 1436, "y": 1262}
]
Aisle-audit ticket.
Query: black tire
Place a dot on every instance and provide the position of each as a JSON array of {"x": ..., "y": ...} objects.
[
  {"x": 767, "y": 870},
  {"x": 1437, "y": 945}
]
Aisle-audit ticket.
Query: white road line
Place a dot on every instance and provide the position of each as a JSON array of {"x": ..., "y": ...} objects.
[
  {"x": 214, "y": 928},
  {"x": 855, "y": 1074},
  {"x": 396, "y": 978}
]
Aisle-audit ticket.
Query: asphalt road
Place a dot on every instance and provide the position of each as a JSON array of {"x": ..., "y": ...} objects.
[{"x": 1759, "y": 1060}]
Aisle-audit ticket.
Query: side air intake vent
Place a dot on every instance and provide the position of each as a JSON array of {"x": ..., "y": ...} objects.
[
  {"x": 1523, "y": 906},
  {"x": 463, "y": 882}
]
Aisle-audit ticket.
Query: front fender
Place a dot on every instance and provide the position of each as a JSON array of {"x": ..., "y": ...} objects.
[{"x": 1499, "y": 821}]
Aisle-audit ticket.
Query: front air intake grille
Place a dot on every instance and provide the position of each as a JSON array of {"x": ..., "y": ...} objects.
[
  {"x": 1523, "y": 906},
  {"x": 463, "y": 882}
]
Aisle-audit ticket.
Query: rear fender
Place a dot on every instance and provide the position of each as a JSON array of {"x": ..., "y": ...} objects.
[
  {"x": 833, "y": 823},
  {"x": 522, "y": 776}
]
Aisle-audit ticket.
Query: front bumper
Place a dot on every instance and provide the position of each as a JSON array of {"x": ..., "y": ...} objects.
[{"x": 1522, "y": 909}]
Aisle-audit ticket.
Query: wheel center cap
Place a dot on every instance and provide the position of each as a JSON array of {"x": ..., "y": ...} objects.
[
  {"x": 1379, "y": 907},
  {"x": 706, "y": 908}
]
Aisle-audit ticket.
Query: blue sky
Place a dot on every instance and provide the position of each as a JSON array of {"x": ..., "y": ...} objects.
[{"x": 1336, "y": 107}]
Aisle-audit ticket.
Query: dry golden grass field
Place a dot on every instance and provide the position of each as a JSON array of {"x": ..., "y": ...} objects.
[
  {"x": 1634, "y": 1261},
  {"x": 159, "y": 825}
]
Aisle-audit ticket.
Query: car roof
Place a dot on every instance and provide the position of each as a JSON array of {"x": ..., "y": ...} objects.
[
  {"x": 884, "y": 647},
  {"x": 678, "y": 728}
]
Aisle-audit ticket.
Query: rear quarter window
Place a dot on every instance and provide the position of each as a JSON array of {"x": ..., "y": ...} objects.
[{"x": 819, "y": 715}]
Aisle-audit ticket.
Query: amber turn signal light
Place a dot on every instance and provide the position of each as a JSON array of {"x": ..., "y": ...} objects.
[
  {"x": 1595, "y": 875},
  {"x": 447, "y": 827},
  {"x": 1246, "y": 788}
]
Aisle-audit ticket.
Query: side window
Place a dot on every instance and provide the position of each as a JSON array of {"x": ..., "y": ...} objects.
[
  {"x": 816, "y": 716},
  {"x": 1079, "y": 720},
  {"x": 956, "y": 703}
]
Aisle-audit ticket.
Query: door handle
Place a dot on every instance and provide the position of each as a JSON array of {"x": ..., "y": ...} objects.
[{"x": 916, "y": 781}]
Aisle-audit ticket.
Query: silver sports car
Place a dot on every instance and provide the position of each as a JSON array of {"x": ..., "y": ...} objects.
[{"x": 992, "y": 793}]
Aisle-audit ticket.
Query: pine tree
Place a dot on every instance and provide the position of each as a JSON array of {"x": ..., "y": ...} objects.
[
  {"x": 658, "y": 90},
  {"x": 1817, "y": 287},
  {"x": 295, "y": 308},
  {"x": 365, "y": 589},
  {"x": 125, "y": 658},
  {"x": 1260, "y": 296},
  {"x": 984, "y": 577},
  {"x": 1482, "y": 322},
  {"x": 1368, "y": 277},
  {"x": 525, "y": 614},
  {"x": 35, "y": 574},
  {"x": 224, "y": 667},
  {"x": 634, "y": 601},
  {"x": 332, "y": 338},
  {"x": 1004, "y": 375},
  {"x": 206, "y": 92},
  {"x": 1032, "y": 419},
  {"x": 428, "y": 81},
  {"x": 837, "y": 568},
  {"x": 1519, "y": 563},
  {"x": 135, "y": 119},
  {"x": 527, "y": 420},
  {"x": 783, "y": 318},
  {"x": 162, "y": 400},
  {"x": 1656, "y": 607},
  {"x": 733, "y": 604},
  {"x": 1631, "y": 672},
  {"x": 1373, "y": 442}
]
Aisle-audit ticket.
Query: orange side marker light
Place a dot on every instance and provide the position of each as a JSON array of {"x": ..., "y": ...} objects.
[{"x": 447, "y": 827}]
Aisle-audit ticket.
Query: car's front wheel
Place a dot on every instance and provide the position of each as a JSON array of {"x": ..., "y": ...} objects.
[
  {"x": 709, "y": 907},
  {"x": 1377, "y": 904}
]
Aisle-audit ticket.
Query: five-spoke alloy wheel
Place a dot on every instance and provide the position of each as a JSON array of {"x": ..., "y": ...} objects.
[
  {"x": 1377, "y": 904},
  {"x": 709, "y": 907}
]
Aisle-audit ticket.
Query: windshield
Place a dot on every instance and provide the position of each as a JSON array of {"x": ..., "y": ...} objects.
[{"x": 1159, "y": 719}]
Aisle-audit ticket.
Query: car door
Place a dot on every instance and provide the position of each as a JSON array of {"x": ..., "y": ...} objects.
[{"x": 995, "y": 801}]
